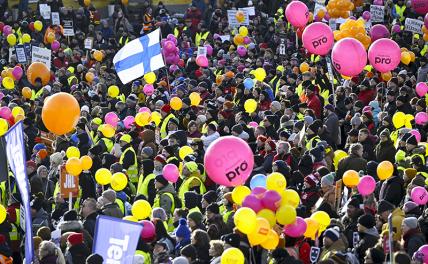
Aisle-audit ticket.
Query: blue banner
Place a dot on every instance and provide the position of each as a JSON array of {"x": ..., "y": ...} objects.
[
  {"x": 15, "y": 151},
  {"x": 116, "y": 239}
]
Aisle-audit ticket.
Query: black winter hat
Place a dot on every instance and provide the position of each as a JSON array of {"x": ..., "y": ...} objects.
[
  {"x": 210, "y": 196},
  {"x": 367, "y": 220},
  {"x": 305, "y": 164},
  {"x": 161, "y": 179},
  {"x": 94, "y": 259},
  {"x": 237, "y": 129},
  {"x": 232, "y": 239},
  {"x": 356, "y": 201},
  {"x": 412, "y": 140},
  {"x": 384, "y": 206},
  {"x": 405, "y": 137},
  {"x": 315, "y": 126},
  {"x": 36, "y": 203},
  {"x": 213, "y": 208},
  {"x": 70, "y": 215},
  {"x": 191, "y": 199}
]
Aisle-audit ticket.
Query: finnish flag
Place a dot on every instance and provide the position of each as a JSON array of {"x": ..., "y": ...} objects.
[{"x": 138, "y": 57}]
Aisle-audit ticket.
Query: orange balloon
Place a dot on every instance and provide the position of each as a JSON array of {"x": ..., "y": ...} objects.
[
  {"x": 386, "y": 76},
  {"x": 321, "y": 13},
  {"x": 424, "y": 29},
  {"x": 426, "y": 36},
  {"x": 311, "y": 17},
  {"x": 304, "y": 67},
  {"x": 89, "y": 76},
  {"x": 60, "y": 113},
  {"x": 98, "y": 55},
  {"x": 38, "y": 70},
  {"x": 27, "y": 93},
  {"x": 50, "y": 37},
  {"x": 406, "y": 57},
  {"x": 124, "y": 2},
  {"x": 238, "y": 39},
  {"x": 351, "y": 178}
]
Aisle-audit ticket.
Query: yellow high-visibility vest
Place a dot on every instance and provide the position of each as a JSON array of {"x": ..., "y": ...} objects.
[
  {"x": 400, "y": 11},
  {"x": 201, "y": 36},
  {"x": 185, "y": 187},
  {"x": 132, "y": 171},
  {"x": 143, "y": 184}
]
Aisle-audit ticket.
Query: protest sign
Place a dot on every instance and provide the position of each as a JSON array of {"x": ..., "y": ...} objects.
[
  {"x": 89, "y": 43},
  {"x": 45, "y": 11},
  {"x": 55, "y": 18},
  {"x": 377, "y": 13},
  {"x": 69, "y": 184},
  {"x": 202, "y": 51},
  {"x": 413, "y": 25},
  {"x": 68, "y": 28},
  {"x": 41, "y": 55},
  {"x": 231, "y": 18},
  {"x": 20, "y": 53},
  {"x": 250, "y": 10}
]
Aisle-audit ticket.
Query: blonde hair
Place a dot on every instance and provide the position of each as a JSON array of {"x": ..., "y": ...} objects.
[
  {"x": 218, "y": 247},
  {"x": 48, "y": 248}
]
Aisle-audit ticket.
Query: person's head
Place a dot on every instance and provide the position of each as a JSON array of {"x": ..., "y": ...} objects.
[
  {"x": 408, "y": 224},
  {"x": 178, "y": 214},
  {"x": 42, "y": 171},
  {"x": 211, "y": 211},
  {"x": 49, "y": 249},
  {"x": 354, "y": 206},
  {"x": 384, "y": 208},
  {"x": 411, "y": 143},
  {"x": 216, "y": 248},
  {"x": 125, "y": 140},
  {"x": 331, "y": 235},
  {"x": 200, "y": 238},
  {"x": 402, "y": 258},
  {"x": 88, "y": 207},
  {"x": 160, "y": 182},
  {"x": 283, "y": 148},
  {"x": 189, "y": 252},
  {"x": 356, "y": 149},
  {"x": 192, "y": 126},
  {"x": 374, "y": 256},
  {"x": 363, "y": 134},
  {"x": 365, "y": 222},
  {"x": 194, "y": 219}
]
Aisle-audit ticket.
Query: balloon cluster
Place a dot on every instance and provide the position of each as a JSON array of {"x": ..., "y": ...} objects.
[
  {"x": 76, "y": 164},
  {"x": 241, "y": 40},
  {"x": 170, "y": 50},
  {"x": 353, "y": 29},
  {"x": 340, "y": 8},
  {"x": 10, "y": 75},
  {"x": 407, "y": 56}
]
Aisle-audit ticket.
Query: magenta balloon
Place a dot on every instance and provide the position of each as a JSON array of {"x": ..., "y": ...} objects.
[
  {"x": 148, "y": 232},
  {"x": 419, "y": 195},
  {"x": 417, "y": 135},
  {"x": 7, "y": 30},
  {"x": 17, "y": 73},
  {"x": 144, "y": 109},
  {"x": 55, "y": 45},
  {"x": 253, "y": 124},
  {"x": 128, "y": 121},
  {"x": 327, "y": 16},
  {"x": 426, "y": 20},
  {"x": 209, "y": 49},
  {"x": 173, "y": 68},
  {"x": 111, "y": 118},
  {"x": 384, "y": 55},
  {"x": 251, "y": 201},
  {"x": 367, "y": 15},
  {"x": 378, "y": 2},
  {"x": 422, "y": 253},
  {"x": 271, "y": 200},
  {"x": 297, "y": 14},
  {"x": 421, "y": 89},
  {"x": 242, "y": 51},
  {"x": 1, "y": 94},
  {"x": 170, "y": 172},
  {"x": 297, "y": 229},
  {"x": 421, "y": 118},
  {"x": 367, "y": 185},
  {"x": 318, "y": 38},
  {"x": 148, "y": 89},
  {"x": 379, "y": 31},
  {"x": 420, "y": 6},
  {"x": 169, "y": 46},
  {"x": 202, "y": 61},
  {"x": 5, "y": 112},
  {"x": 396, "y": 29},
  {"x": 259, "y": 192},
  {"x": 247, "y": 40},
  {"x": 349, "y": 57}
]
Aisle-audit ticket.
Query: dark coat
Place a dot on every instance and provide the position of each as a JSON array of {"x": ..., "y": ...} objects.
[
  {"x": 413, "y": 240},
  {"x": 368, "y": 240},
  {"x": 352, "y": 162},
  {"x": 89, "y": 223},
  {"x": 393, "y": 190},
  {"x": 368, "y": 147},
  {"x": 385, "y": 151}
]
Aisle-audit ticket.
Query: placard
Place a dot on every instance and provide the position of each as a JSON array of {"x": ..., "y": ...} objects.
[
  {"x": 231, "y": 18},
  {"x": 89, "y": 42},
  {"x": 21, "y": 55},
  {"x": 41, "y": 55},
  {"x": 68, "y": 184},
  {"x": 202, "y": 51},
  {"x": 224, "y": 38},
  {"x": 45, "y": 11},
  {"x": 413, "y": 25},
  {"x": 377, "y": 13},
  {"x": 55, "y": 18},
  {"x": 68, "y": 28},
  {"x": 250, "y": 10}
]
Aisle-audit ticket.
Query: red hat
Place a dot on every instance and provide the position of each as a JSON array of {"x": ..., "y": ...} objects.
[
  {"x": 31, "y": 164},
  {"x": 312, "y": 180},
  {"x": 166, "y": 108},
  {"x": 75, "y": 239},
  {"x": 161, "y": 159},
  {"x": 198, "y": 73},
  {"x": 262, "y": 138}
]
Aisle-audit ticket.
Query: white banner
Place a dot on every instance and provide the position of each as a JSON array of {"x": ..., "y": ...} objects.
[
  {"x": 250, "y": 10},
  {"x": 377, "y": 13},
  {"x": 231, "y": 18},
  {"x": 55, "y": 18},
  {"x": 41, "y": 55},
  {"x": 45, "y": 11},
  {"x": 413, "y": 25},
  {"x": 68, "y": 28}
]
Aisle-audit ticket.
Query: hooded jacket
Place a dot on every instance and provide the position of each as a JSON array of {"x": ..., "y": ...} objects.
[
  {"x": 338, "y": 245},
  {"x": 165, "y": 200},
  {"x": 397, "y": 219},
  {"x": 76, "y": 226}
]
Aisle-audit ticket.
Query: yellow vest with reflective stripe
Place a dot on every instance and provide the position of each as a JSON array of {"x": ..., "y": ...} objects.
[
  {"x": 109, "y": 144},
  {"x": 76, "y": 204},
  {"x": 400, "y": 11},
  {"x": 315, "y": 58},
  {"x": 325, "y": 94},
  {"x": 424, "y": 50},
  {"x": 201, "y": 36},
  {"x": 133, "y": 169},
  {"x": 163, "y": 127},
  {"x": 204, "y": 129},
  {"x": 14, "y": 234},
  {"x": 226, "y": 216},
  {"x": 121, "y": 41},
  {"x": 146, "y": 255},
  {"x": 185, "y": 186},
  {"x": 194, "y": 209},
  {"x": 94, "y": 137},
  {"x": 218, "y": 72},
  {"x": 177, "y": 32},
  {"x": 143, "y": 184},
  {"x": 310, "y": 142},
  {"x": 122, "y": 98},
  {"x": 156, "y": 202},
  {"x": 121, "y": 205}
]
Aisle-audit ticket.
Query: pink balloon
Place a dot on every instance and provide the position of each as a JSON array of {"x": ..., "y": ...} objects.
[
  {"x": 7, "y": 30},
  {"x": 229, "y": 161},
  {"x": 242, "y": 51},
  {"x": 421, "y": 118},
  {"x": 173, "y": 68},
  {"x": 148, "y": 89},
  {"x": 384, "y": 55},
  {"x": 251, "y": 201},
  {"x": 349, "y": 57},
  {"x": 422, "y": 254},
  {"x": 419, "y": 195},
  {"x": 202, "y": 61},
  {"x": 379, "y": 31},
  {"x": 247, "y": 40},
  {"x": 55, "y": 45},
  {"x": 367, "y": 15},
  {"x": 209, "y": 49},
  {"x": 318, "y": 38},
  {"x": 128, "y": 121},
  {"x": 5, "y": 112},
  {"x": 426, "y": 20},
  {"x": 396, "y": 28},
  {"x": 111, "y": 118},
  {"x": 144, "y": 109},
  {"x": 297, "y": 14},
  {"x": 297, "y": 229},
  {"x": 271, "y": 200},
  {"x": 169, "y": 46},
  {"x": 259, "y": 192},
  {"x": 420, "y": 6},
  {"x": 253, "y": 124},
  {"x": 170, "y": 172},
  {"x": 417, "y": 135},
  {"x": 17, "y": 72},
  {"x": 367, "y": 185},
  {"x": 421, "y": 89},
  {"x": 148, "y": 232},
  {"x": 378, "y": 2}
]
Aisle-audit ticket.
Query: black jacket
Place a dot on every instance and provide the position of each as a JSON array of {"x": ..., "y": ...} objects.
[
  {"x": 89, "y": 223},
  {"x": 393, "y": 190},
  {"x": 385, "y": 151}
]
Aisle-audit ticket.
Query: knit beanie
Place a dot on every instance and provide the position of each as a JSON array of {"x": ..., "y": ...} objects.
[
  {"x": 161, "y": 179},
  {"x": 411, "y": 222},
  {"x": 311, "y": 180},
  {"x": 409, "y": 206},
  {"x": 232, "y": 239},
  {"x": 70, "y": 215},
  {"x": 75, "y": 239},
  {"x": 356, "y": 201},
  {"x": 328, "y": 180},
  {"x": 196, "y": 217},
  {"x": 180, "y": 260},
  {"x": 148, "y": 151},
  {"x": 94, "y": 259},
  {"x": 210, "y": 196},
  {"x": 412, "y": 140},
  {"x": 332, "y": 233},
  {"x": 159, "y": 212},
  {"x": 182, "y": 229},
  {"x": 213, "y": 208},
  {"x": 367, "y": 220},
  {"x": 384, "y": 206}
]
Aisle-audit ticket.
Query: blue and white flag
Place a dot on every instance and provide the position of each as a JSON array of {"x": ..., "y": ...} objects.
[
  {"x": 115, "y": 239},
  {"x": 139, "y": 57},
  {"x": 15, "y": 151}
]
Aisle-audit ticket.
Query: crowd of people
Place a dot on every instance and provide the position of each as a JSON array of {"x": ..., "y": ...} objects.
[{"x": 305, "y": 119}]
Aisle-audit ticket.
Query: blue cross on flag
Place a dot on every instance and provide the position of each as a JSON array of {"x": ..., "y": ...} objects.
[{"x": 139, "y": 57}]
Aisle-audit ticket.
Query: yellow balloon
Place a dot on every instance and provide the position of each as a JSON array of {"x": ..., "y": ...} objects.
[
  {"x": 4, "y": 126},
  {"x": 290, "y": 197},
  {"x": 17, "y": 110},
  {"x": 98, "y": 55},
  {"x": 322, "y": 218},
  {"x": 243, "y": 31},
  {"x": 195, "y": 98},
  {"x": 408, "y": 121},
  {"x": 304, "y": 67},
  {"x": 259, "y": 74},
  {"x": 113, "y": 91},
  {"x": 276, "y": 181},
  {"x": 286, "y": 215},
  {"x": 141, "y": 209},
  {"x": 103, "y": 176},
  {"x": 38, "y": 25},
  {"x": 406, "y": 58},
  {"x": 312, "y": 227},
  {"x": 384, "y": 170},
  {"x": 143, "y": 118},
  {"x": 260, "y": 234},
  {"x": 245, "y": 220},
  {"x": 398, "y": 119},
  {"x": 86, "y": 162},
  {"x": 232, "y": 256},
  {"x": 239, "y": 193},
  {"x": 8, "y": 83},
  {"x": 26, "y": 38},
  {"x": 250, "y": 105},
  {"x": 3, "y": 213},
  {"x": 107, "y": 130},
  {"x": 118, "y": 181},
  {"x": 19, "y": 118},
  {"x": 11, "y": 39},
  {"x": 269, "y": 215},
  {"x": 176, "y": 103},
  {"x": 272, "y": 241},
  {"x": 351, "y": 178},
  {"x": 73, "y": 166},
  {"x": 338, "y": 155},
  {"x": 72, "y": 152},
  {"x": 156, "y": 117},
  {"x": 150, "y": 77},
  {"x": 184, "y": 151},
  {"x": 130, "y": 218}
]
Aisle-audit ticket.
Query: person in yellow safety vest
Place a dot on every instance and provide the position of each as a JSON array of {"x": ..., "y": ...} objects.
[
  {"x": 128, "y": 159},
  {"x": 148, "y": 22},
  {"x": 228, "y": 210},
  {"x": 123, "y": 40},
  {"x": 424, "y": 50},
  {"x": 179, "y": 29},
  {"x": 279, "y": 15},
  {"x": 13, "y": 210},
  {"x": 146, "y": 258},
  {"x": 57, "y": 193},
  {"x": 399, "y": 10},
  {"x": 165, "y": 198},
  {"x": 146, "y": 183},
  {"x": 419, "y": 166},
  {"x": 305, "y": 76},
  {"x": 191, "y": 180},
  {"x": 274, "y": 82},
  {"x": 3, "y": 193},
  {"x": 412, "y": 150},
  {"x": 95, "y": 123},
  {"x": 201, "y": 36},
  {"x": 105, "y": 143},
  {"x": 166, "y": 116},
  {"x": 44, "y": 92},
  {"x": 312, "y": 137},
  {"x": 169, "y": 153}
]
